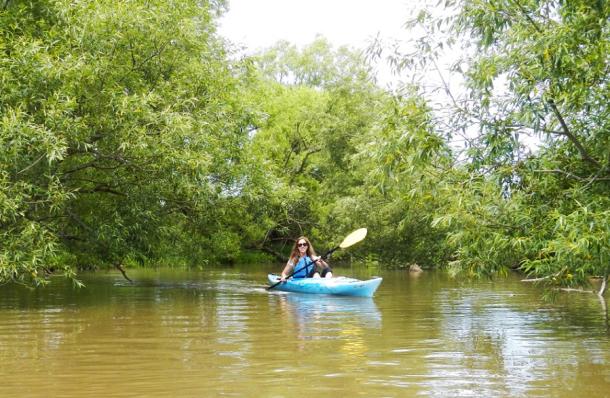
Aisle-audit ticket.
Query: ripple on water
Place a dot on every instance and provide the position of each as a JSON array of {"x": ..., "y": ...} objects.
[{"x": 222, "y": 333}]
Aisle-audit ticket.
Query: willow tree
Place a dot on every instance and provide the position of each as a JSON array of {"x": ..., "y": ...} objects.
[
  {"x": 324, "y": 136},
  {"x": 120, "y": 133},
  {"x": 537, "y": 69},
  {"x": 313, "y": 106}
]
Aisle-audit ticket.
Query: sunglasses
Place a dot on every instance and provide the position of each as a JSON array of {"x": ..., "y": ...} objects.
[{"x": 302, "y": 244}]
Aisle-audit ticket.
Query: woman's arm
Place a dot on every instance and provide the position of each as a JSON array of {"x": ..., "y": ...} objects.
[
  {"x": 325, "y": 270},
  {"x": 320, "y": 262},
  {"x": 287, "y": 269}
]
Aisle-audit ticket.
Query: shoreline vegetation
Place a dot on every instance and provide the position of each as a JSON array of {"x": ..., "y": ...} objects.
[{"x": 132, "y": 135}]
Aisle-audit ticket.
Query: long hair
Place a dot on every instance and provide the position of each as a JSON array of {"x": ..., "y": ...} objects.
[{"x": 294, "y": 255}]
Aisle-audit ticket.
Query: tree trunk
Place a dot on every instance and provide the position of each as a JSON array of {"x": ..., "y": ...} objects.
[
  {"x": 120, "y": 268},
  {"x": 602, "y": 289}
]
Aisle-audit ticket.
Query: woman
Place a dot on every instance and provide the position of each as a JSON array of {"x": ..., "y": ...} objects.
[{"x": 303, "y": 261}]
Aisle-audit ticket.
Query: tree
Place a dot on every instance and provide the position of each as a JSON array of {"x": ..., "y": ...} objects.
[
  {"x": 538, "y": 69},
  {"x": 313, "y": 107},
  {"x": 123, "y": 135},
  {"x": 328, "y": 137}
]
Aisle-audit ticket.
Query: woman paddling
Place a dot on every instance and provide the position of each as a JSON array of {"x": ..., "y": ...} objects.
[{"x": 303, "y": 260}]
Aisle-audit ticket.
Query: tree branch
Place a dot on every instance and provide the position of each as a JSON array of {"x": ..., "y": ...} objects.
[
  {"x": 571, "y": 289},
  {"x": 120, "y": 268},
  {"x": 80, "y": 222},
  {"x": 528, "y": 17},
  {"x": 544, "y": 278},
  {"x": 566, "y": 173},
  {"x": 33, "y": 164},
  {"x": 93, "y": 164},
  {"x": 158, "y": 51},
  {"x": 566, "y": 131},
  {"x": 104, "y": 188},
  {"x": 589, "y": 180},
  {"x": 307, "y": 155}
]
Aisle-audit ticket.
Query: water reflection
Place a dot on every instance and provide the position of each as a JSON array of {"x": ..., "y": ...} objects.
[
  {"x": 219, "y": 334},
  {"x": 489, "y": 336},
  {"x": 345, "y": 320},
  {"x": 331, "y": 312},
  {"x": 232, "y": 338}
]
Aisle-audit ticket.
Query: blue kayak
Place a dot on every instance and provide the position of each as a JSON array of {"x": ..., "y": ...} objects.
[{"x": 341, "y": 286}]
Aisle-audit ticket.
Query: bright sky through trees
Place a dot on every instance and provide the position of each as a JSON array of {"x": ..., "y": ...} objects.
[{"x": 260, "y": 24}]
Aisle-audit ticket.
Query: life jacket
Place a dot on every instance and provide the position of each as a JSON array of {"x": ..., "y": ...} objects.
[{"x": 304, "y": 268}]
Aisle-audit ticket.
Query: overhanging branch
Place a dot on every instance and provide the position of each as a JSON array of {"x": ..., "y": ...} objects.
[{"x": 566, "y": 131}]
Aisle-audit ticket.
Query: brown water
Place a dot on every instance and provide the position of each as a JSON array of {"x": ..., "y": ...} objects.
[{"x": 219, "y": 333}]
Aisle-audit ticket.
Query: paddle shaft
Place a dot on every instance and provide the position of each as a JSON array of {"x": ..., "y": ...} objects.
[{"x": 324, "y": 257}]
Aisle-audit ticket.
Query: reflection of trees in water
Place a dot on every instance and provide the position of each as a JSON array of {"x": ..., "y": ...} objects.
[
  {"x": 588, "y": 311},
  {"x": 501, "y": 337},
  {"x": 602, "y": 301},
  {"x": 439, "y": 338},
  {"x": 232, "y": 337},
  {"x": 147, "y": 316}
]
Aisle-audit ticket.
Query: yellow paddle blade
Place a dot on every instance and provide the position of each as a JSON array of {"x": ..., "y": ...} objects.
[{"x": 353, "y": 238}]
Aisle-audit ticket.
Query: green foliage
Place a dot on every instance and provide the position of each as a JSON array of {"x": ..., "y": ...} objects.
[
  {"x": 343, "y": 154},
  {"x": 400, "y": 161},
  {"x": 128, "y": 137},
  {"x": 306, "y": 133},
  {"x": 537, "y": 69},
  {"x": 487, "y": 233},
  {"x": 121, "y": 131},
  {"x": 577, "y": 250}
]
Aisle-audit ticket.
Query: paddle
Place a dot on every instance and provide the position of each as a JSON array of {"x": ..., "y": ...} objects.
[{"x": 349, "y": 240}]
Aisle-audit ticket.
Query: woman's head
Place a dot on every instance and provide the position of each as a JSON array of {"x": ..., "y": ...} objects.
[{"x": 302, "y": 247}]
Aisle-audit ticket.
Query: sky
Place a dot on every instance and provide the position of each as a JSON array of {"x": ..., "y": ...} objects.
[
  {"x": 258, "y": 24},
  {"x": 261, "y": 23}
]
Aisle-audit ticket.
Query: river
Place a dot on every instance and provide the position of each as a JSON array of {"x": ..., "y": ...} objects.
[{"x": 218, "y": 332}]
